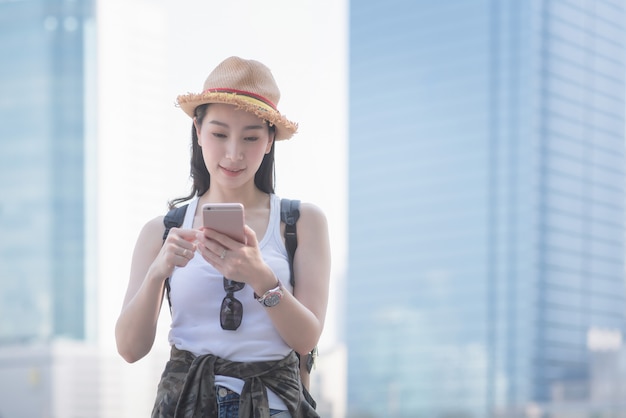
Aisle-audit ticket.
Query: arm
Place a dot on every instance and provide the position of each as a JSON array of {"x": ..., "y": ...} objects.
[
  {"x": 300, "y": 317},
  {"x": 152, "y": 263}
]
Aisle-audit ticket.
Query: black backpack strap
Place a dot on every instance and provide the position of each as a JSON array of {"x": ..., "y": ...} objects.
[
  {"x": 289, "y": 214},
  {"x": 173, "y": 219}
]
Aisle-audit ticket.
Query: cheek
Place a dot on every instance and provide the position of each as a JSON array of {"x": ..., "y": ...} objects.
[
  {"x": 206, "y": 142},
  {"x": 264, "y": 148},
  {"x": 209, "y": 151}
]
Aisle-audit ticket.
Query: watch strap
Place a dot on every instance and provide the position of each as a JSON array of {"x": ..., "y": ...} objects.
[{"x": 278, "y": 290}]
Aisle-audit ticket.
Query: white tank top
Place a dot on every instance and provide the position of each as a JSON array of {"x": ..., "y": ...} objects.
[{"x": 197, "y": 291}]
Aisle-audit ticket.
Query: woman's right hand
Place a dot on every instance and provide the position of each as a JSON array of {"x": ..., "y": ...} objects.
[{"x": 177, "y": 250}]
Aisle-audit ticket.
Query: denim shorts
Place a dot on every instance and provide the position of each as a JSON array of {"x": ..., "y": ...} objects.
[{"x": 228, "y": 405}]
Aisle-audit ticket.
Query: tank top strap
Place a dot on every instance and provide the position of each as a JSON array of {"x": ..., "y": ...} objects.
[{"x": 272, "y": 234}]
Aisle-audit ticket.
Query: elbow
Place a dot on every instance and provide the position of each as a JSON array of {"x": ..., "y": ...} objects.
[
  {"x": 130, "y": 350},
  {"x": 129, "y": 357},
  {"x": 128, "y": 354},
  {"x": 305, "y": 350},
  {"x": 305, "y": 346}
]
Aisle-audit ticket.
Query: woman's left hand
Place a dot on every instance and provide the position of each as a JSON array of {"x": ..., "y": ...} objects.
[{"x": 235, "y": 260}]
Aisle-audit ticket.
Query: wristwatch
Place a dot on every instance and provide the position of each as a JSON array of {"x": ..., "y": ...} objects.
[{"x": 272, "y": 297}]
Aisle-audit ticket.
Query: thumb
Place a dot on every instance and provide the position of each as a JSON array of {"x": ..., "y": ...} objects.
[
  {"x": 250, "y": 235},
  {"x": 188, "y": 234}
]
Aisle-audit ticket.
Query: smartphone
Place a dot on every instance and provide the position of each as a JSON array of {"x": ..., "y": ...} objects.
[{"x": 226, "y": 218}]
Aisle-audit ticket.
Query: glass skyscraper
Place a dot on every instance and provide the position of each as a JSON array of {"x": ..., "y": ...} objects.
[
  {"x": 486, "y": 207},
  {"x": 43, "y": 45}
]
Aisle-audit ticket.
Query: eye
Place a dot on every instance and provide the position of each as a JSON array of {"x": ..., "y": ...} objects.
[
  {"x": 251, "y": 138},
  {"x": 219, "y": 135}
]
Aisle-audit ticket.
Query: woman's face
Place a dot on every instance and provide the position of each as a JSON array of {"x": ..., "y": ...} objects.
[{"x": 233, "y": 144}]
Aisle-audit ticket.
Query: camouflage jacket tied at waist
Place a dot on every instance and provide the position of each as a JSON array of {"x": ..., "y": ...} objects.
[{"x": 187, "y": 386}]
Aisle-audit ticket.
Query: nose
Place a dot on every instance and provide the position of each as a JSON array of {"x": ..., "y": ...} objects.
[{"x": 233, "y": 150}]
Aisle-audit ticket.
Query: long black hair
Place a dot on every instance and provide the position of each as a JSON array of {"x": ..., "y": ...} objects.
[{"x": 263, "y": 179}]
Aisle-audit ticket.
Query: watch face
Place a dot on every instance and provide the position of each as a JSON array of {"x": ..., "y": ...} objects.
[{"x": 272, "y": 299}]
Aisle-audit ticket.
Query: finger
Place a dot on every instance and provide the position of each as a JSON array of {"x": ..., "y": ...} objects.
[
  {"x": 171, "y": 259},
  {"x": 181, "y": 261},
  {"x": 183, "y": 240},
  {"x": 210, "y": 246},
  {"x": 217, "y": 252},
  {"x": 187, "y": 235},
  {"x": 250, "y": 235},
  {"x": 207, "y": 248},
  {"x": 222, "y": 239}
]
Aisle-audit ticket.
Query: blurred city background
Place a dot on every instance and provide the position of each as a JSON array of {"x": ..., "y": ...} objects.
[{"x": 469, "y": 155}]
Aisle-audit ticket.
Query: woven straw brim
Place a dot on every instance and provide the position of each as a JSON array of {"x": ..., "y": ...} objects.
[{"x": 285, "y": 128}]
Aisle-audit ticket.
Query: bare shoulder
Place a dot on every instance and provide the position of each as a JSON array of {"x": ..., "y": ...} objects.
[
  {"x": 312, "y": 214},
  {"x": 312, "y": 220},
  {"x": 155, "y": 225},
  {"x": 152, "y": 233}
]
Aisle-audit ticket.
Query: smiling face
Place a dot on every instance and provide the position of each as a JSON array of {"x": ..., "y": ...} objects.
[{"x": 233, "y": 144}]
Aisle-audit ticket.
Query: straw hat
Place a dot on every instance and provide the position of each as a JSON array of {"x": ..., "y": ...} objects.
[{"x": 247, "y": 84}]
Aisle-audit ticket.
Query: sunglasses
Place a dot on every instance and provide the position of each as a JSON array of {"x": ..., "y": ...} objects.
[{"x": 231, "y": 312}]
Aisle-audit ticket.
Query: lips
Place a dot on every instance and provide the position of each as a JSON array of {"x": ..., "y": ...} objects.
[{"x": 231, "y": 171}]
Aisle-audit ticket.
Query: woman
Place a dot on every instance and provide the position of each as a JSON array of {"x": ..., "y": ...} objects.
[{"x": 216, "y": 370}]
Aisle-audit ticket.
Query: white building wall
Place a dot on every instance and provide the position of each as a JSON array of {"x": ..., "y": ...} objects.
[{"x": 54, "y": 380}]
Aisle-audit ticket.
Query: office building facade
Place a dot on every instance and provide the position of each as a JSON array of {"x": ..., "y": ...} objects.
[
  {"x": 486, "y": 246},
  {"x": 42, "y": 148},
  {"x": 46, "y": 367}
]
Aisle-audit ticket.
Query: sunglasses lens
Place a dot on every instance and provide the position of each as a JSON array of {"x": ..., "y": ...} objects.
[
  {"x": 232, "y": 286},
  {"x": 231, "y": 313}
]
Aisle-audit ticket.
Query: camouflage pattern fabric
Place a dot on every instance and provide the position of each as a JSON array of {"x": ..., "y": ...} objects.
[{"x": 187, "y": 386}]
